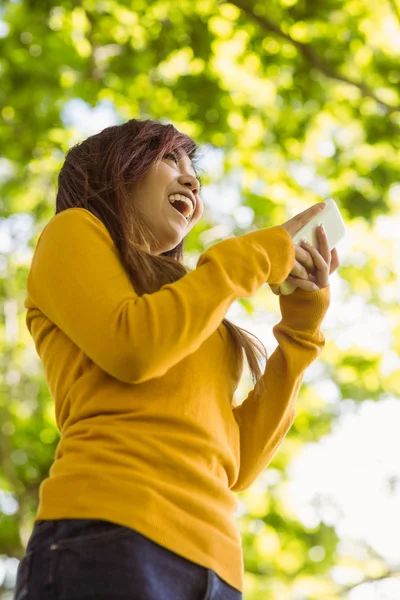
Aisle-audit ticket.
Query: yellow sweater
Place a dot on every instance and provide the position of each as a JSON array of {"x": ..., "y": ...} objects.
[{"x": 151, "y": 435}]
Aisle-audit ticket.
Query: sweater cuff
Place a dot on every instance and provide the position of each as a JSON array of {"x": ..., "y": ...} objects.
[{"x": 303, "y": 310}]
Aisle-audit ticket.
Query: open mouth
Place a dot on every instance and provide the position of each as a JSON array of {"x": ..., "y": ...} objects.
[
  {"x": 180, "y": 214},
  {"x": 182, "y": 205}
]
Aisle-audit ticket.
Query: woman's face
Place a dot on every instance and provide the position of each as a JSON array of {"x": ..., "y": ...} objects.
[{"x": 173, "y": 175}]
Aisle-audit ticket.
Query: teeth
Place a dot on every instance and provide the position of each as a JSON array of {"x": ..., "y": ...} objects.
[{"x": 181, "y": 198}]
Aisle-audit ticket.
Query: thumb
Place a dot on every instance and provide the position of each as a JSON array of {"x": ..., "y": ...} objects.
[{"x": 275, "y": 289}]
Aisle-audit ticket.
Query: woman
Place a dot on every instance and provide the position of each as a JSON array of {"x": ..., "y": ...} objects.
[{"x": 143, "y": 367}]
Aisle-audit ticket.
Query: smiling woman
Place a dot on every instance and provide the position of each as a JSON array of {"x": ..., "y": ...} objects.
[
  {"x": 144, "y": 366},
  {"x": 171, "y": 182},
  {"x": 125, "y": 176}
]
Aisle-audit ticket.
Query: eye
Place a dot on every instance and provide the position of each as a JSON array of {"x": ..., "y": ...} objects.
[{"x": 170, "y": 156}]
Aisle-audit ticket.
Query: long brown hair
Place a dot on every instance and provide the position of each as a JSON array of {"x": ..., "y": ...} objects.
[{"x": 99, "y": 174}]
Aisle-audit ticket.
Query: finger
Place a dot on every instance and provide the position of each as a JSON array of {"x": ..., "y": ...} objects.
[
  {"x": 275, "y": 289},
  {"x": 322, "y": 275},
  {"x": 323, "y": 245},
  {"x": 334, "y": 261},
  {"x": 299, "y": 271},
  {"x": 308, "y": 286},
  {"x": 304, "y": 258},
  {"x": 316, "y": 256},
  {"x": 307, "y": 214}
]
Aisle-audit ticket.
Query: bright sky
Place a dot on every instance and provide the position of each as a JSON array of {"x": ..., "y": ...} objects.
[{"x": 348, "y": 470}]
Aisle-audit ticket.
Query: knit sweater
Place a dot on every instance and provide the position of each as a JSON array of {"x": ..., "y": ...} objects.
[{"x": 151, "y": 434}]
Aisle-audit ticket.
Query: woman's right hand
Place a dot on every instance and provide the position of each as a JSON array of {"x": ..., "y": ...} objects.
[{"x": 304, "y": 263}]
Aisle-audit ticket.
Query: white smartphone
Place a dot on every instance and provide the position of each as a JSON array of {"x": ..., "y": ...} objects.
[{"x": 335, "y": 229}]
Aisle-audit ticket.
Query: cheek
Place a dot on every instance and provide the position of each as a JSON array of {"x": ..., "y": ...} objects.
[{"x": 199, "y": 209}]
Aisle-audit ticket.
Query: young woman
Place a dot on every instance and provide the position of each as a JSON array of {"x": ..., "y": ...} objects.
[{"x": 143, "y": 367}]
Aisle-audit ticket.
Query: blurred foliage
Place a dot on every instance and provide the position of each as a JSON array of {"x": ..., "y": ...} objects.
[{"x": 303, "y": 98}]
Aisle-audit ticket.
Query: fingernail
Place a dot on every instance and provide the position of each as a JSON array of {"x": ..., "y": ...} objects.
[{"x": 323, "y": 229}]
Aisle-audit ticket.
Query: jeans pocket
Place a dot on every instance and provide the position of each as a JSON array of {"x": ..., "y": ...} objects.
[
  {"x": 75, "y": 533},
  {"x": 41, "y": 535},
  {"x": 86, "y": 560},
  {"x": 23, "y": 576}
]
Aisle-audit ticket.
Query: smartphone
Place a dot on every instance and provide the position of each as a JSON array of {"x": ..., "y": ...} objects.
[{"x": 331, "y": 219}]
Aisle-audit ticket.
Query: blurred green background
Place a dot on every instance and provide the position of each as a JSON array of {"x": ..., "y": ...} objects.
[{"x": 292, "y": 102}]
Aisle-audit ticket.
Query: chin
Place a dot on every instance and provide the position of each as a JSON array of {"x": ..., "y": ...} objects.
[
  {"x": 168, "y": 246},
  {"x": 173, "y": 245}
]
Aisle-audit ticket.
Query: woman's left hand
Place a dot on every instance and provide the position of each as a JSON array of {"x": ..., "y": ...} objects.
[{"x": 325, "y": 263}]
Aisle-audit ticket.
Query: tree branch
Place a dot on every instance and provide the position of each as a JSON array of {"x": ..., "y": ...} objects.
[
  {"x": 388, "y": 575},
  {"x": 311, "y": 56},
  {"x": 396, "y": 9},
  {"x": 94, "y": 70}
]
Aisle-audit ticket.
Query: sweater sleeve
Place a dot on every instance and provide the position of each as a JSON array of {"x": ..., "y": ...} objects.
[
  {"x": 264, "y": 418},
  {"x": 77, "y": 280}
]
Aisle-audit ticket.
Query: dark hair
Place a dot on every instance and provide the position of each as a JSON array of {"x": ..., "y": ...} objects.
[{"x": 99, "y": 173}]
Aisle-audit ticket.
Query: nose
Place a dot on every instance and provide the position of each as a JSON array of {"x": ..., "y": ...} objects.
[{"x": 191, "y": 182}]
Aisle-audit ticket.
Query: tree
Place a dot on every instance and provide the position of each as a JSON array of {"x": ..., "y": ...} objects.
[{"x": 303, "y": 99}]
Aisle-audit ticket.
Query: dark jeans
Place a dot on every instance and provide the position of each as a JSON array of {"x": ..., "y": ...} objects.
[{"x": 91, "y": 559}]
